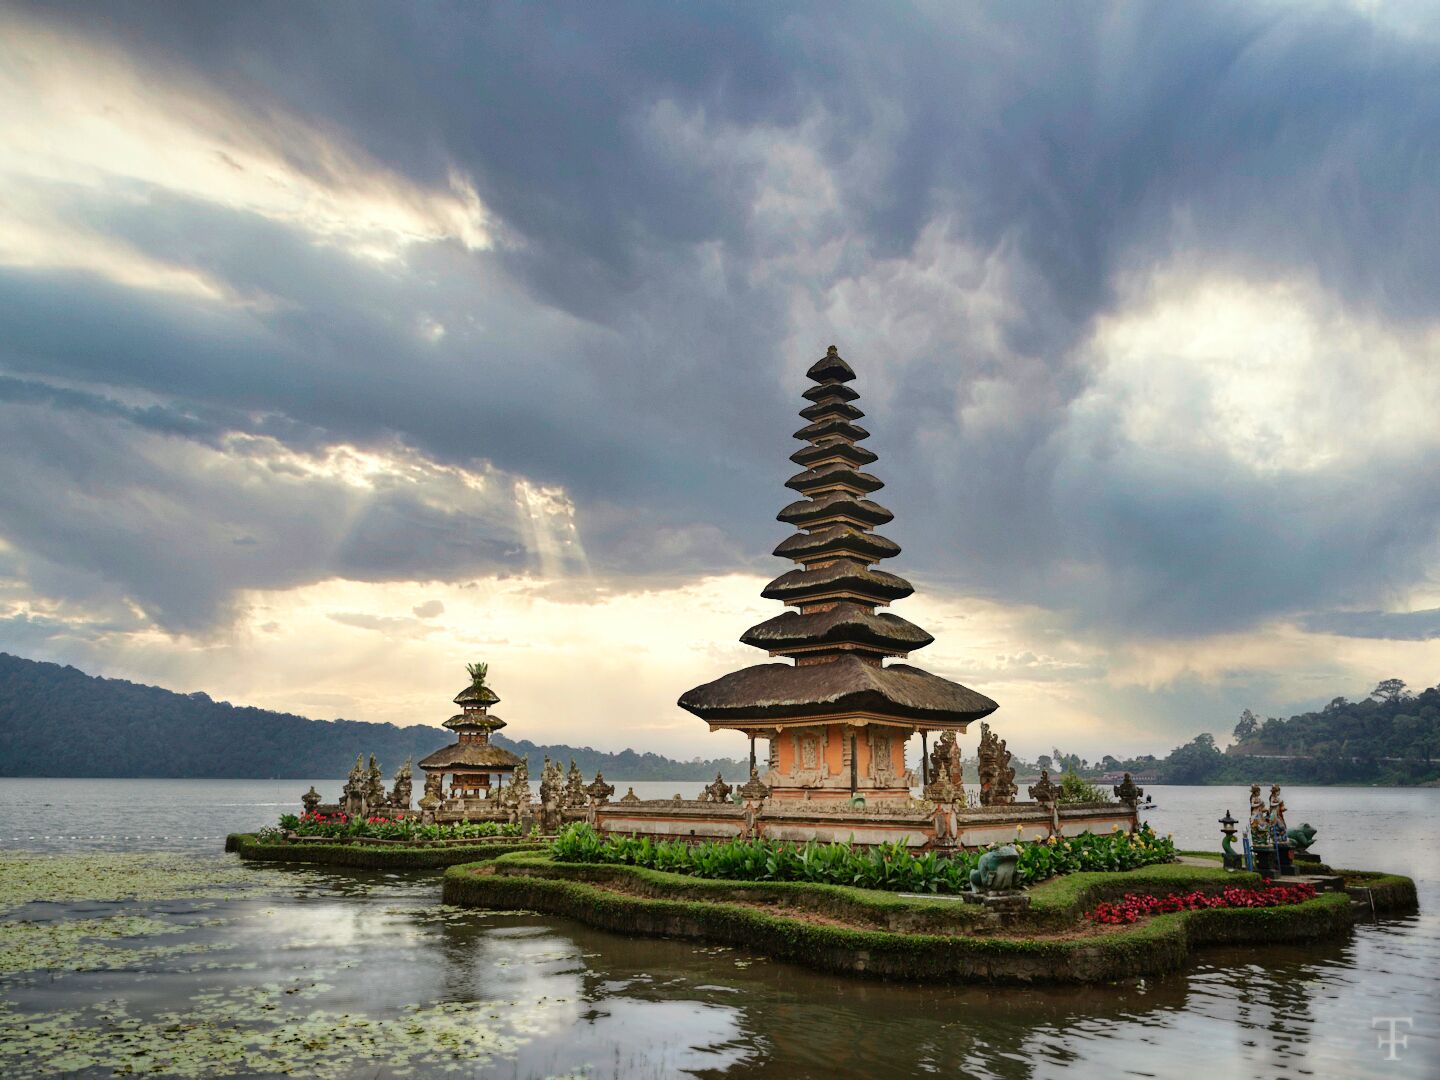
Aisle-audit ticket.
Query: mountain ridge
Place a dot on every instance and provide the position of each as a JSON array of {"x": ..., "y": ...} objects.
[{"x": 49, "y": 712}]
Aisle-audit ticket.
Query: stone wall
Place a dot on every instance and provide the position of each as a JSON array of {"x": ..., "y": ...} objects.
[{"x": 918, "y": 824}]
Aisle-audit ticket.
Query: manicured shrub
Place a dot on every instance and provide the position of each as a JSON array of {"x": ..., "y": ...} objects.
[
  {"x": 891, "y": 867},
  {"x": 1134, "y": 906},
  {"x": 336, "y": 826}
]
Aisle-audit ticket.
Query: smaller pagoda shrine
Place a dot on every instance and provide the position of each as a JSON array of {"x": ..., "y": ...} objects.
[{"x": 477, "y": 769}]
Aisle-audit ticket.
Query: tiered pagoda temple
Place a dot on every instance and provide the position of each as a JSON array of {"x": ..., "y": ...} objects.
[
  {"x": 837, "y": 717},
  {"x": 472, "y": 763}
]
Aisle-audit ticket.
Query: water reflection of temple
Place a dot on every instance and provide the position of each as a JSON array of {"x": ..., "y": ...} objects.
[{"x": 838, "y": 717}]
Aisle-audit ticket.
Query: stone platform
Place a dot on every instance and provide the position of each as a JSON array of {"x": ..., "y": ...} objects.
[{"x": 917, "y": 823}]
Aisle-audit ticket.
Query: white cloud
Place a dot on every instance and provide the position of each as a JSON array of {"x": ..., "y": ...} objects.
[
  {"x": 1268, "y": 376},
  {"x": 81, "y": 121}
]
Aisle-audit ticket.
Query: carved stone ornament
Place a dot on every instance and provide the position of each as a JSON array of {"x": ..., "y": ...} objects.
[
  {"x": 599, "y": 791},
  {"x": 630, "y": 798},
  {"x": 1043, "y": 791},
  {"x": 718, "y": 792},
  {"x": 941, "y": 789},
  {"x": 754, "y": 790},
  {"x": 1127, "y": 792}
]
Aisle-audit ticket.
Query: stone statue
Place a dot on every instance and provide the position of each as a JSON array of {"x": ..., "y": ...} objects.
[
  {"x": 310, "y": 800},
  {"x": 434, "y": 793},
  {"x": 547, "y": 781},
  {"x": 599, "y": 791},
  {"x": 574, "y": 795},
  {"x": 988, "y": 764},
  {"x": 1259, "y": 816},
  {"x": 1277, "y": 812},
  {"x": 1005, "y": 789},
  {"x": 1303, "y": 837},
  {"x": 352, "y": 796},
  {"x": 1127, "y": 792},
  {"x": 947, "y": 753},
  {"x": 552, "y": 791},
  {"x": 941, "y": 789},
  {"x": 718, "y": 792},
  {"x": 400, "y": 794},
  {"x": 754, "y": 789},
  {"x": 374, "y": 786},
  {"x": 1231, "y": 858},
  {"x": 1043, "y": 791},
  {"x": 996, "y": 870},
  {"x": 520, "y": 785}
]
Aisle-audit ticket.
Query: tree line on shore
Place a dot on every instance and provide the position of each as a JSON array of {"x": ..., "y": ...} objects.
[
  {"x": 59, "y": 721},
  {"x": 1392, "y": 736}
]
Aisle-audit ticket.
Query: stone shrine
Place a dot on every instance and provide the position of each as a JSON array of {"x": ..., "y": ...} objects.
[{"x": 476, "y": 767}]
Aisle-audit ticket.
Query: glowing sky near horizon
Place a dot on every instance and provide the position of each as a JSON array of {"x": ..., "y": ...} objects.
[{"x": 344, "y": 344}]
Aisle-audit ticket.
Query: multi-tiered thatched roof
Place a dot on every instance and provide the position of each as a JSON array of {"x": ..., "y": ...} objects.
[{"x": 834, "y": 635}]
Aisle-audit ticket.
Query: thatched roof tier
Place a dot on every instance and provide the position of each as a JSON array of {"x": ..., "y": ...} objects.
[
  {"x": 830, "y": 392},
  {"x": 834, "y": 504},
  {"x": 834, "y": 476},
  {"x": 844, "y": 624},
  {"x": 842, "y": 579},
  {"x": 836, "y": 450},
  {"x": 832, "y": 427},
  {"x": 836, "y": 637},
  {"x": 831, "y": 368},
  {"x": 472, "y": 755},
  {"x": 474, "y": 721},
  {"x": 473, "y": 695},
  {"x": 841, "y": 410},
  {"x": 843, "y": 685},
  {"x": 837, "y": 540}
]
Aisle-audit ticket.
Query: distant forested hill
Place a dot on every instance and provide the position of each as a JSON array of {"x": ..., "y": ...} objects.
[
  {"x": 1390, "y": 737},
  {"x": 58, "y": 721}
]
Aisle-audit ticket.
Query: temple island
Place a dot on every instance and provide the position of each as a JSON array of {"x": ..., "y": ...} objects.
[
  {"x": 836, "y": 710},
  {"x": 814, "y": 859}
]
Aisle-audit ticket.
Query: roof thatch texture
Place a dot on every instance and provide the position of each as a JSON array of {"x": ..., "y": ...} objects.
[
  {"x": 841, "y": 575},
  {"x": 473, "y": 695},
  {"x": 831, "y": 475},
  {"x": 832, "y": 504},
  {"x": 831, "y": 368},
  {"x": 837, "y": 538},
  {"x": 484, "y": 722},
  {"x": 847, "y": 683},
  {"x": 844, "y": 623},
  {"x": 472, "y": 756}
]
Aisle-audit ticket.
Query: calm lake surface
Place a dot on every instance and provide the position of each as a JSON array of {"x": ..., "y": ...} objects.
[{"x": 224, "y": 969}]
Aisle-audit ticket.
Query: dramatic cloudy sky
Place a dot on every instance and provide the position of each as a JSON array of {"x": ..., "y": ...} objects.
[{"x": 343, "y": 343}]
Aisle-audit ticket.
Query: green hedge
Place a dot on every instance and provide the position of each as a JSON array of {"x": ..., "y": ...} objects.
[
  {"x": 372, "y": 856},
  {"x": 868, "y": 907},
  {"x": 1389, "y": 893},
  {"x": 890, "y": 866},
  {"x": 1158, "y": 944}
]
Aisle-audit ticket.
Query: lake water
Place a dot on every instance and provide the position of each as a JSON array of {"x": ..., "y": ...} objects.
[{"x": 225, "y": 969}]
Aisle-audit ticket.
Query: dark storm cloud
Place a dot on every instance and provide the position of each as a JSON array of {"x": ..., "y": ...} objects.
[
  {"x": 624, "y": 337},
  {"x": 1385, "y": 625}
]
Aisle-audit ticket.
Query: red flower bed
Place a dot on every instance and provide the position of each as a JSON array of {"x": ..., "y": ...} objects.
[
  {"x": 317, "y": 818},
  {"x": 1136, "y": 905}
]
